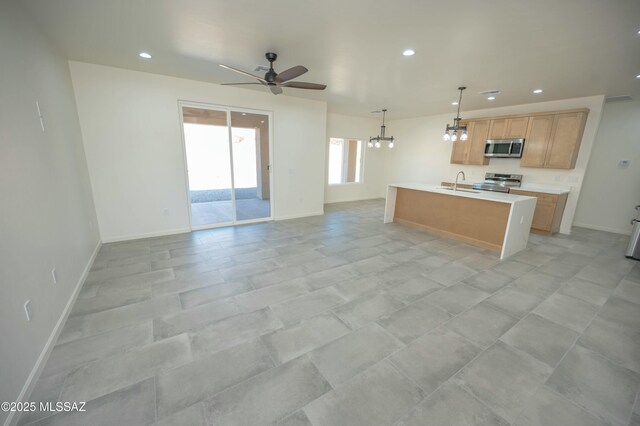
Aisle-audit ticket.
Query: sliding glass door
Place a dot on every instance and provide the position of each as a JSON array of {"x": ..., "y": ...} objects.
[{"x": 227, "y": 156}]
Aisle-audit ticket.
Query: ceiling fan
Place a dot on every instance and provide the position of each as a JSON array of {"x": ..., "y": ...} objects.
[{"x": 276, "y": 81}]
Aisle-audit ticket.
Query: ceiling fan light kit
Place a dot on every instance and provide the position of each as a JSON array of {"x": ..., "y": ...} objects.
[
  {"x": 451, "y": 132},
  {"x": 377, "y": 140},
  {"x": 276, "y": 81}
]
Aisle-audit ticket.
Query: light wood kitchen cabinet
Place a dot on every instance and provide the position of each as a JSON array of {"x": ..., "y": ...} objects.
[
  {"x": 553, "y": 141},
  {"x": 565, "y": 140},
  {"x": 549, "y": 210},
  {"x": 537, "y": 141},
  {"x": 471, "y": 151},
  {"x": 508, "y": 128}
]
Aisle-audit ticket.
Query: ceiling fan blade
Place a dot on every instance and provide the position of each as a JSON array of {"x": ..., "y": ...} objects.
[
  {"x": 303, "y": 85},
  {"x": 260, "y": 79},
  {"x": 236, "y": 84},
  {"x": 276, "y": 90},
  {"x": 291, "y": 73}
]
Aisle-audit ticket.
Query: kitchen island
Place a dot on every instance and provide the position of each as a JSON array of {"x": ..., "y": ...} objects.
[{"x": 495, "y": 221}]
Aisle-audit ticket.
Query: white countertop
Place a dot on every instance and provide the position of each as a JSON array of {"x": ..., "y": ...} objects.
[
  {"x": 533, "y": 187},
  {"x": 480, "y": 195}
]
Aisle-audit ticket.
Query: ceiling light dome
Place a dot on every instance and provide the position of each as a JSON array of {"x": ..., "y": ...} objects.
[
  {"x": 409, "y": 52},
  {"x": 144, "y": 55}
]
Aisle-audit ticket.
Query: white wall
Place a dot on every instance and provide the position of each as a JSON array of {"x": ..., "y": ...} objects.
[
  {"x": 131, "y": 130},
  {"x": 344, "y": 126},
  {"x": 611, "y": 192},
  {"x": 46, "y": 207},
  {"x": 422, "y": 156}
]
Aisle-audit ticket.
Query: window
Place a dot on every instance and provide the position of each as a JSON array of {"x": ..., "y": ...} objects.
[{"x": 345, "y": 161}]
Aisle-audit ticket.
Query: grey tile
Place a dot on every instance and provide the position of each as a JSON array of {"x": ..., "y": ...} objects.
[
  {"x": 110, "y": 301},
  {"x": 366, "y": 309},
  {"x": 232, "y": 331},
  {"x": 276, "y": 276},
  {"x": 544, "y": 340},
  {"x": 190, "y": 416},
  {"x": 210, "y": 293},
  {"x": 614, "y": 333},
  {"x": 434, "y": 358},
  {"x": 117, "y": 272},
  {"x": 567, "y": 311},
  {"x": 451, "y": 405},
  {"x": 629, "y": 291},
  {"x": 413, "y": 289},
  {"x": 414, "y": 320},
  {"x": 586, "y": 290},
  {"x": 514, "y": 301},
  {"x": 46, "y": 390},
  {"x": 196, "y": 317},
  {"x": 575, "y": 259},
  {"x": 268, "y": 397},
  {"x": 548, "y": 408},
  {"x": 276, "y": 293},
  {"x": 353, "y": 353},
  {"x": 328, "y": 277},
  {"x": 299, "y": 418},
  {"x": 479, "y": 261},
  {"x": 201, "y": 379},
  {"x": 181, "y": 285},
  {"x": 133, "y": 405},
  {"x": 559, "y": 269},
  {"x": 308, "y": 305},
  {"x": 596, "y": 384},
  {"x": 600, "y": 276},
  {"x": 450, "y": 274},
  {"x": 353, "y": 288},
  {"x": 512, "y": 268},
  {"x": 489, "y": 281},
  {"x": 532, "y": 257},
  {"x": 378, "y": 396},
  {"x": 482, "y": 324},
  {"x": 88, "y": 325},
  {"x": 536, "y": 284},
  {"x": 504, "y": 379},
  {"x": 106, "y": 375},
  {"x": 289, "y": 343},
  {"x": 75, "y": 353},
  {"x": 457, "y": 298}
]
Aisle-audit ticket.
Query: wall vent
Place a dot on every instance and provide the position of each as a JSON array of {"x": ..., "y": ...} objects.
[{"x": 491, "y": 92}]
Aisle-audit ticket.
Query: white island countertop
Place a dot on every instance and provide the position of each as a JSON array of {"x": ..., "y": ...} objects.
[
  {"x": 427, "y": 212},
  {"x": 531, "y": 187},
  {"x": 462, "y": 192}
]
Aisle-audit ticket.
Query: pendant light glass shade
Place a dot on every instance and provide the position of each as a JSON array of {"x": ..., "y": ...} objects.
[
  {"x": 451, "y": 132},
  {"x": 375, "y": 141}
]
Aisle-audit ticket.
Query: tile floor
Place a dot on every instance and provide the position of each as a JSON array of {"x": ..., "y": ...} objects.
[
  {"x": 222, "y": 211},
  {"x": 341, "y": 320}
]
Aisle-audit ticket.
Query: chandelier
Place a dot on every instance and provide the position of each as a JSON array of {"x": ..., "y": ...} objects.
[
  {"x": 451, "y": 132},
  {"x": 376, "y": 141}
]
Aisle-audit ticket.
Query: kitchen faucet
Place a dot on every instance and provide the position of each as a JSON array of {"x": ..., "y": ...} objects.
[{"x": 455, "y": 185}]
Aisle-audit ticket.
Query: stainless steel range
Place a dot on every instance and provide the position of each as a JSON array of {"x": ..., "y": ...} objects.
[{"x": 499, "y": 182}]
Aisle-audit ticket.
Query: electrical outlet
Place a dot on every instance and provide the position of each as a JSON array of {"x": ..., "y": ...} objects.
[
  {"x": 40, "y": 116},
  {"x": 27, "y": 310},
  {"x": 54, "y": 276}
]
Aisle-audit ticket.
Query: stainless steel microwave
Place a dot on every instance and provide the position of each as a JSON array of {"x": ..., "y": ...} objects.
[{"x": 506, "y": 148}]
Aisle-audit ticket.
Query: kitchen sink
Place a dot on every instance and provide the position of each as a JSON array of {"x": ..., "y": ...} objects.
[{"x": 450, "y": 188}]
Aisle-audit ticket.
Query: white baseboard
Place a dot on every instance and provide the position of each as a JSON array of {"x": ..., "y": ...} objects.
[
  {"x": 602, "y": 228},
  {"x": 297, "y": 216},
  {"x": 147, "y": 235},
  {"x": 346, "y": 200},
  {"x": 12, "y": 419}
]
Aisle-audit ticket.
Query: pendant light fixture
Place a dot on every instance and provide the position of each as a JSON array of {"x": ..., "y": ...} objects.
[
  {"x": 451, "y": 132},
  {"x": 377, "y": 141}
]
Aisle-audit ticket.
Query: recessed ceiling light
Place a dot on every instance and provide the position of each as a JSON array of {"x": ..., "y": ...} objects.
[
  {"x": 144, "y": 55},
  {"x": 244, "y": 113},
  {"x": 454, "y": 103},
  {"x": 638, "y": 76},
  {"x": 537, "y": 91},
  {"x": 409, "y": 52},
  {"x": 491, "y": 98}
]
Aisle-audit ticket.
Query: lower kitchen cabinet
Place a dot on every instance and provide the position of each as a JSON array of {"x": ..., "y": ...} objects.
[{"x": 549, "y": 210}]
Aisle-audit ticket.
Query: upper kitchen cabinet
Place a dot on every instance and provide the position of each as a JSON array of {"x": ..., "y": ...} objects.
[
  {"x": 508, "y": 128},
  {"x": 471, "y": 151},
  {"x": 553, "y": 141}
]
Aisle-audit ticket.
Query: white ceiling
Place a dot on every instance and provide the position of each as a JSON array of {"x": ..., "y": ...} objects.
[{"x": 570, "y": 48}]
